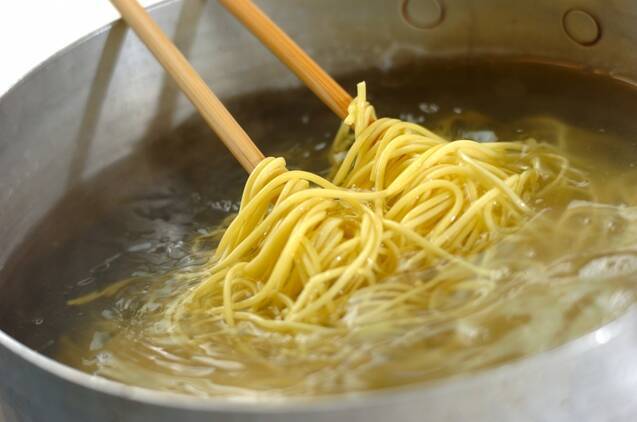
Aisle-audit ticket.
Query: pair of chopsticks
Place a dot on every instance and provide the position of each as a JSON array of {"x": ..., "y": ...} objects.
[{"x": 202, "y": 97}]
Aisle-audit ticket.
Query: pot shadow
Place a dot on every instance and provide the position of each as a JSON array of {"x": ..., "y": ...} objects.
[{"x": 162, "y": 122}]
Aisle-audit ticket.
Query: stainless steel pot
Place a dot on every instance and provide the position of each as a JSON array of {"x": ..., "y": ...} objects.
[{"x": 91, "y": 104}]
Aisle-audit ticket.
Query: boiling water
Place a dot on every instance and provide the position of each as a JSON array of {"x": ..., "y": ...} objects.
[{"x": 555, "y": 285}]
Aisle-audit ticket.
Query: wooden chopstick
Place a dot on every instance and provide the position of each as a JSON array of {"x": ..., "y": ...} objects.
[
  {"x": 326, "y": 88},
  {"x": 189, "y": 81}
]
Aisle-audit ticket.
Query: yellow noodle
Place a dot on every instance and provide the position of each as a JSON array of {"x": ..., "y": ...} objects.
[
  {"x": 416, "y": 257},
  {"x": 401, "y": 199}
]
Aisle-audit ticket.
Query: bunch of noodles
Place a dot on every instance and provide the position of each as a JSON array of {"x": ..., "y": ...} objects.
[{"x": 303, "y": 249}]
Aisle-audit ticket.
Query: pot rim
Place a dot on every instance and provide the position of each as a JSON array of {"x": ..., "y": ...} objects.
[{"x": 293, "y": 404}]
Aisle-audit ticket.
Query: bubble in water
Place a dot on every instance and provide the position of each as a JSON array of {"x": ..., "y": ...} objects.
[
  {"x": 618, "y": 300},
  {"x": 320, "y": 146},
  {"x": 429, "y": 108},
  {"x": 106, "y": 264},
  {"x": 224, "y": 205},
  {"x": 469, "y": 333},
  {"x": 104, "y": 358},
  {"x": 99, "y": 340},
  {"x": 609, "y": 266},
  {"x": 150, "y": 307},
  {"x": 480, "y": 135},
  {"x": 108, "y": 314},
  {"x": 140, "y": 247},
  {"x": 176, "y": 250},
  {"x": 412, "y": 118},
  {"x": 85, "y": 281}
]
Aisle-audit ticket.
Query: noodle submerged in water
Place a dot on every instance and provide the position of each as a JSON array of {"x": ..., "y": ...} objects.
[
  {"x": 302, "y": 248},
  {"x": 385, "y": 273}
]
